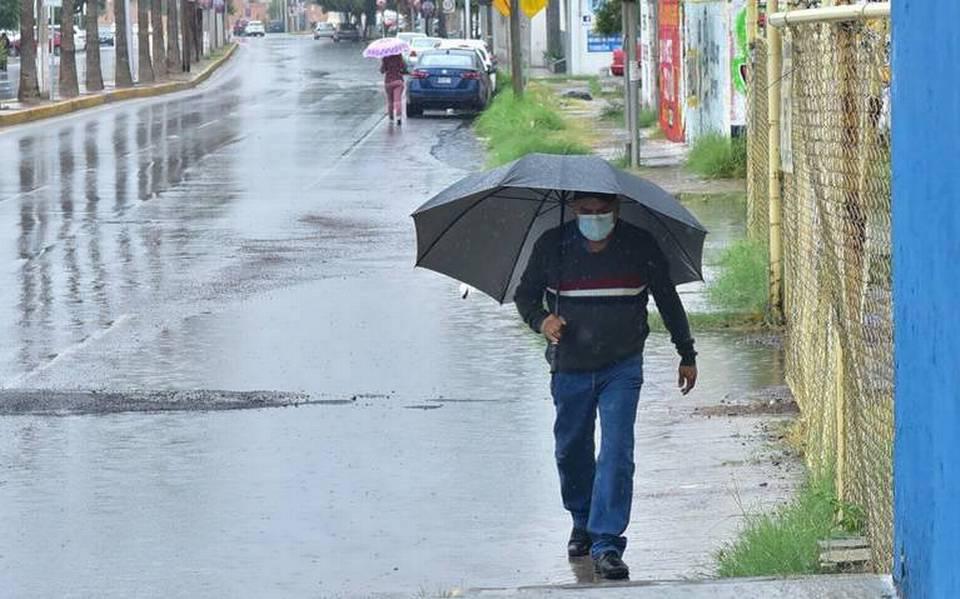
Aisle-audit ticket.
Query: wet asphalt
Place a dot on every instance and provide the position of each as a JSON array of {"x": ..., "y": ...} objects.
[{"x": 166, "y": 262}]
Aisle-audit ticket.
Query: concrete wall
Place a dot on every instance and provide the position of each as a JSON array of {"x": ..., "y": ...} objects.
[
  {"x": 584, "y": 54},
  {"x": 706, "y": 68},
  {"x": 926, "y": 277}
]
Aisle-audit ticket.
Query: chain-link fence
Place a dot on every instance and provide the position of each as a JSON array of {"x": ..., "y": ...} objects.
[{"x": 836, "y": 246}]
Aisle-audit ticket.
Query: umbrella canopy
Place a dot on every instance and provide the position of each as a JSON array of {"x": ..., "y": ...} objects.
[
  {"x": 481, "y": 230},
  {"x": 386, "y": 46}
]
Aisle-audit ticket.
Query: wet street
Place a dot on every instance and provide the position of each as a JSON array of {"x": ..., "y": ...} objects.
[{"x": 254, "y": 235}]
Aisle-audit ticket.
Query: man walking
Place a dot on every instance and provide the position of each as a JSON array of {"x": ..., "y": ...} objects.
[{"x": 585, "y": 289}]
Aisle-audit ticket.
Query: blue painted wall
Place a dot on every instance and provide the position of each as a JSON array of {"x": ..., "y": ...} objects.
[{"x": 926, "y": 276}]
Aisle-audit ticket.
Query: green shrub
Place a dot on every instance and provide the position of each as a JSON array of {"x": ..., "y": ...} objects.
[
  {"x": 716, "y": 156},
  {"x": 785, "y": 542},
  {"x": 514, "y": 128},
  {"x": 741, "y": 285}
]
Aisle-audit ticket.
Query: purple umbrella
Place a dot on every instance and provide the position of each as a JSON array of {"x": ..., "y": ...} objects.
[{"x": 387, "y": 46}]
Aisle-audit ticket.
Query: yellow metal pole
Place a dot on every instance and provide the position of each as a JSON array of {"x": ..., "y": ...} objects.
[
  {"x": 774, "y": 66},
  {"x": 752, "y": 14}
]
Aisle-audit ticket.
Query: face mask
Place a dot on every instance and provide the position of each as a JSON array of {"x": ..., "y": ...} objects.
[{"x": 596, "y": 227}]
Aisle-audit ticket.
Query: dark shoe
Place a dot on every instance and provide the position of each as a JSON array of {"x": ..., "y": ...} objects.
[
  {"x": 579, "y": 543},
  {"x": 610, "y": 566},
  {"x": 399, "y": 122}
]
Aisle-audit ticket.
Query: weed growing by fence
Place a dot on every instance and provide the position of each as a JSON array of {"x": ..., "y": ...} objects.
[
  {"x": 742, "y": 283},
  {"x": 785, "y": 542},
  {"x": 716, "y": 156}
]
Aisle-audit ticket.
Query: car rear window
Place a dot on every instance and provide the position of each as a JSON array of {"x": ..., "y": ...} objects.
[
  {"x": 455, "y": 61},
  {"x": 422, "y": 42}
]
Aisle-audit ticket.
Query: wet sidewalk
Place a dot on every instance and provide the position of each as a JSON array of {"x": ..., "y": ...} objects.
[{"x": 860, "y": 586}]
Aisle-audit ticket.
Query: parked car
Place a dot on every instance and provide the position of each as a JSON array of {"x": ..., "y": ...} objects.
[
  {"x": 52, "y": 45},
  {"x": 451, "y": 78},
  {"x": 419, "y": 45},
  {"x": 620, "y": 59},
  {"x": 106, "y": 35},
  {"x": 254, "y": 29},
  {"x": 275, "y": 27},
  {"x": 346, "y": 32},
  {"x": 409, "y": 36},
  {"x": 486, "y": 57},
  {"x": 323, "y": 30}
]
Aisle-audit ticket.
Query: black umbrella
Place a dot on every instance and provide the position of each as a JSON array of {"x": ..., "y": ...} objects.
[{"x": 481, "y": 229}]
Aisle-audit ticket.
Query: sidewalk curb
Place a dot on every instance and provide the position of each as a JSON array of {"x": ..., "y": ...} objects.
[{"x": 61, "y": 108}]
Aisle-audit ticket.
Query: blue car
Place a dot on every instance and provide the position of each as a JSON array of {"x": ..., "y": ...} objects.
[{"x": 448, "y": 79}]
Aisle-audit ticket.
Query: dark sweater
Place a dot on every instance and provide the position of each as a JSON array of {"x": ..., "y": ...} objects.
[{"x": 603, "y": 296}]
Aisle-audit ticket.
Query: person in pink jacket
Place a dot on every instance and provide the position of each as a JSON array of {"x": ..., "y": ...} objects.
[{"x": 393, "y": 69}]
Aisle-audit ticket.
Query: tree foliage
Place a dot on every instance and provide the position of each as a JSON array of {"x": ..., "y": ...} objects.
[
  {"x": 608, "y": 19},
  {"x": 9, "y": 14}
]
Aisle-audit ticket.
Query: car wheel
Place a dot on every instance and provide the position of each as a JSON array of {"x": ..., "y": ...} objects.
[{"x": 414, "y": 110}]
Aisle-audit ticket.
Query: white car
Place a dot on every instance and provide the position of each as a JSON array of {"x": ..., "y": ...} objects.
[
  {"x": 323, "y": 30},
  {"x": 418, "y": 45},
  {"x": 480, "y": 47},
  {"x": 409, "y": 36},
  {"x": 254, "y": 28}
]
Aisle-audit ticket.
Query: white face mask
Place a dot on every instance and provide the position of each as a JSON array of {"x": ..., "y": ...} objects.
[{"x": 596, "y": 227}]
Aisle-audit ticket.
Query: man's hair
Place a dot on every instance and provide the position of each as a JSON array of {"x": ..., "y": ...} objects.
[{"x": 603, "y": 197}]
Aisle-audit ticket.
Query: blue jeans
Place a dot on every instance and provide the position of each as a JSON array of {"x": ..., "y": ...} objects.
[{"x": 598, "y": 491}]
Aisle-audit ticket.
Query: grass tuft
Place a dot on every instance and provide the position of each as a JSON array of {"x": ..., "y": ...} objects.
[
  {"x": 646, "y": 118},
  {"x": 785, "y": 542},
  {"x": 741, "y": 286},
  {"x": 514, "y": 128},
  {"x": 716, "y": 156}
]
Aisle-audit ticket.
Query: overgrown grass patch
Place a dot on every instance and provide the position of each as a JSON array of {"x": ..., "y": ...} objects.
[
  {"x": 716, "y": 156},
  {"x": 784, "y": 542},
  {"x": 646, "y": 118},
  {"x": 741, "y": 286},
  {"x": 516, "y": 127}
]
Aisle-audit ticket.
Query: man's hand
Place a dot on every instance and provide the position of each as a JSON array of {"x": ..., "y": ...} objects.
[
  {"x": 688, "y": 378},
  {"x": 552, "y": 328}
]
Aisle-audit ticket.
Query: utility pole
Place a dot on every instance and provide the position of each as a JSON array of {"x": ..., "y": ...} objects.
[
  {"x": 516, "y": 50},
  {"x": 774, "y": 66},
  {"x": 631, "y": 77},
  {"x": 468, "y": 32}
]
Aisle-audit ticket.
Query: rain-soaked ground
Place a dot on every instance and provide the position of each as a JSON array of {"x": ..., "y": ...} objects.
[{"x": 249, "y": 244}]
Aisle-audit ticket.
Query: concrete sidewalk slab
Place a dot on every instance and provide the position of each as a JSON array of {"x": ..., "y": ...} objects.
[{"x": 859, "y": 586}]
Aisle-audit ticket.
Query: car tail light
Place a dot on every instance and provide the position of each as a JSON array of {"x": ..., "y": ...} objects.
[
  {"x": 470, "y": 75},
  {"x": 418, "y": 74}
]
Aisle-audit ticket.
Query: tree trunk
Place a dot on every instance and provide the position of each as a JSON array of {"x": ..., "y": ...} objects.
[
  {"x": 159, "y": 55},
  {"x": 94, "y": 74},
  {"x": 186, "y": 22},
  {"x": 144, "y": 68},
  {"x": 516, "y": 49},
  {"x": 173, "y": 37},
  {"x": 69, "y": 88},
  {"x": 123, "y": 77},
  {"x": 554, "y": 35},
  {"x": 29, "y": 86}
]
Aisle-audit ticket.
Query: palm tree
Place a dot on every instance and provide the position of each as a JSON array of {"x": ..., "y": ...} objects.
[
  {"x": 29, "y": 86},
  {"x": 173, "y": 37},
  {"x": 159, "y": 55},
  {"x": 69, "y": 88},
  {"x": 94, "y": 74},
  {"x": 123, "y": 76},
  {"x": 144, "y": 68}
]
